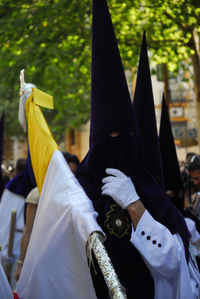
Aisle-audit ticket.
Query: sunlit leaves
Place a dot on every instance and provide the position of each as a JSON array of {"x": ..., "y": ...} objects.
[{"x": 51, "y": 39}]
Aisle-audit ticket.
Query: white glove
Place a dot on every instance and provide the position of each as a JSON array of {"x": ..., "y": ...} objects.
[
  {"x": 26, "y": 91},
  {"x": 119, "y": 187}
]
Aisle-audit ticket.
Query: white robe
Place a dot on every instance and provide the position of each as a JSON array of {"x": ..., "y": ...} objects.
[
  {"x": 5, "y": 290},
  {"x": 195, "y": 236},
  {"x": 11, "y": 201},
  {"x": 56, "y": 263},
  {"x": 164, "y": 255}
]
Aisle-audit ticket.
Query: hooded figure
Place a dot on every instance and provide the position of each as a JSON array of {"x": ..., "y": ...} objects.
[
  {"x": 14, "y": 198},
  {"x": 23, "y": 182},
  {"x": 171, "y": 171},
  {"x": 159, "y": 154},
  {"x": 144, "y": 111},
  {"x": 114, "y": 144}
]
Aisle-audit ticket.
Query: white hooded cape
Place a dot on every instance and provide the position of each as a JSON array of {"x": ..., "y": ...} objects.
[{"x": 56, "y": 264}]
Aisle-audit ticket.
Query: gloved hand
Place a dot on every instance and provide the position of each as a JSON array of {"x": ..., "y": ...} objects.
[
  {"x": 26, "y": 92},
  {"x": 119, "y": 187}
]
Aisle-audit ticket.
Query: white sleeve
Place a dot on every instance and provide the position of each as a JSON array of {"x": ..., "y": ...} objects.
[
  {"x": 158, "y": 247},
  {"x": 195, "y": 236}
]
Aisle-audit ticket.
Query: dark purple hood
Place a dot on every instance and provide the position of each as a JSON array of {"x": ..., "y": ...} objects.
[
  {"x": 171, "y": 170},
  {"x": 144, "y": 111},
  {"x": 24, "y": 182}
]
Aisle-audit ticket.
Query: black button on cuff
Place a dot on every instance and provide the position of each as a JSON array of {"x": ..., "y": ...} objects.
[
  {"x": 154, "y": 242},
  {"x": 148, "y": 237},
  {"x": 159, "y": 245},
  {"x": 143, "y": 233}
]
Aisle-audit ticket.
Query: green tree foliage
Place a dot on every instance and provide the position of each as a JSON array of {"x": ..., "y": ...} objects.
[
  {"x": 173, "y": 32},
  {"x": 51, "y": 39}
]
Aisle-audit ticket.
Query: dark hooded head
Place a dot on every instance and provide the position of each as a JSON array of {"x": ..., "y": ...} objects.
[
  {"x": 110, "y": 104},
  {"x": 171, "y": 171},
  {"x": 23, "y": 182},
  {"x": 144, "y": 111},
  {"x": 110, "y": 99}
]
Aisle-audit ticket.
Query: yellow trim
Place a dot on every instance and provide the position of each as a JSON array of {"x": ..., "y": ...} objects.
[
  {"x": 42, "y": 99},
  {"x": 41, "y": 142}
]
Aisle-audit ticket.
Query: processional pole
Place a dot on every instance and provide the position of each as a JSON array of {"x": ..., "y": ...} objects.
[{"x": 116, "y": 290}]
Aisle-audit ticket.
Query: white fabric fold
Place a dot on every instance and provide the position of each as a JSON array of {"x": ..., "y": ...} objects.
[
  {"x": 11, "y": 201},
  {"x": 195, "y": 236},
  {"x": 56, "y": 263},
  {"x": 5, "y": 290}
]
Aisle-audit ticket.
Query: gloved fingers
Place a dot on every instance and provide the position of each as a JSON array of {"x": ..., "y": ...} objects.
[
  {"x": 105, "y": 192},
  {"x": 109, "y": 179},
  {"x": 115, "y": 172},
  {"x": 27, "y": 88},
  {"x": 108, "y": 191},
  {"x": 108, "y": 186}
]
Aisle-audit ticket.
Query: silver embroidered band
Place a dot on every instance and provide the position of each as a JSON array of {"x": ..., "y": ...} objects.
[{"x": 95, "y": 243}]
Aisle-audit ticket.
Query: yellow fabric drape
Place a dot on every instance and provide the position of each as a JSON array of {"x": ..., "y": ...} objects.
[{"x": 41, "y": 142}]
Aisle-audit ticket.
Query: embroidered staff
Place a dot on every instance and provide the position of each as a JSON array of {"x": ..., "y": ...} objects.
[{"x": 116, "y": 290}]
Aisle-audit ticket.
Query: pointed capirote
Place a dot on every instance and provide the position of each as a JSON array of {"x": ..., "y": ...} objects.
[
  {"x": 110, "y": 98},
  {"x": 144, "y": 111},
  {"x": 171, "y": 170}
]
